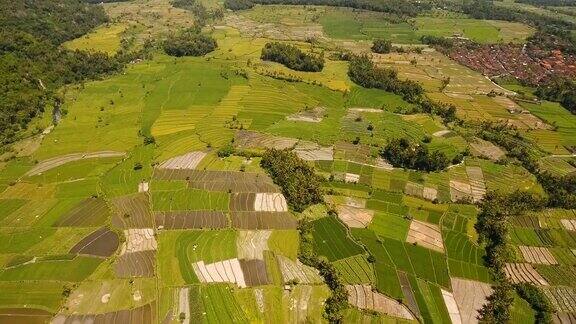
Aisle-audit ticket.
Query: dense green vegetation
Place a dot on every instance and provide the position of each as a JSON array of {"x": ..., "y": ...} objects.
[
  {"x": 561, "y": 90},
  {"x": 292, "y": 57},
  {"x": 33, "y": 65},
  {"x": 400, "y": 152},
  {"x": 381, "y": 46},
  {"x": 238, "y": 4},
  {"x": 299, "y": 183},
  {"x": 537, "y": 300},
  {"x": 189, "y": 43}
]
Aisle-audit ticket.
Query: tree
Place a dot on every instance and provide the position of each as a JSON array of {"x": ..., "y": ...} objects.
[
  {"x": 381, "y": 46},
  {"x": 400, "y": 152},
  {"x": 189, "y": 43},
  {"x": 292, "y": 57}
]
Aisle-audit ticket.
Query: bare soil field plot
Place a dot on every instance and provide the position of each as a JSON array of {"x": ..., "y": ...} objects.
[
  {"x": 250, "y": 139},
  {"x": 569, "y": 224},
  {"x": 426, "y": 235},
  {"x": 452, "y": 307},
  {"x": 355, "y": 217},
  {"x": 270, "y": 202},
  {"x": 242, "y": 201},
  {"x": 477, "y": 184},
  {"x": 255, "y": 272},
  {"x": 230, "y": 181},
  {"x": 187, "y": 161},
  {"x": 351, "y": 177},
  {"x": 135, "y": 264},
  {"x": 539, "y": 255},
  {"x": 142, "y": 315},
  {"x": 102, "y": 242},
  {"x": 132, "y": 211},
  {"x": 441, "y": 133},
  {"x": 562, "y": 298},
  {"x": 90, "y": 212},
  {"x": 184, "y": 304},
  {"x": 252, "y": 244},
  {"x": 295, "y": 270},
  {"x": 314, "y": 115},
  {"x": 139, "y": 239},
  {"x": 222, "y": 271},
  {"x": 363, "y": 297},
  {"x": 143, "y": 187},
  {"x": 61, "y": 160},
  {"x": 563, "y": 318},
  {"x": 480, "y": 147},
  {"x": 408, "y": 293},
  {"x": 191, "y": 219},
  {"x": 24, "y": 316},
  {"x": 460, "y": 190},
  {"x": 470, "y": 296},
  {"x": 310, "y": 151},
  {"x": 524, "y": 272},
  {"x": 263, "y": 220}
]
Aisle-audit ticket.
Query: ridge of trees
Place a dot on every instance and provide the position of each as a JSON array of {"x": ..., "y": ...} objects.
[
  {"x": 492, "y": 226},
  {"x": 399, "y": 7},
  {"x": 300, "y": 185},
  {"x": 401, "y": 152},
  {"x": 381, "y": 46},
  {"x": 292, "y": 57},
  {"x": 189, "y": 43},
  {"x": 364, "y": 72}
]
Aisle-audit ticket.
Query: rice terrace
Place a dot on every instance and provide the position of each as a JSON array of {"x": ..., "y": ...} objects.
[{"x": 287, "y": 161}]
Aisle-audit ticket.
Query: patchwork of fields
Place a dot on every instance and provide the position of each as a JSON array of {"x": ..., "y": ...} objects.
[{"x": 130, "y": 211}]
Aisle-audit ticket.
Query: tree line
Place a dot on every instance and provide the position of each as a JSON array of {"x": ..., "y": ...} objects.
[
  {"x": 292, "y": 57},
  {"x": 399, "y": 7},
  {"x": 364, "y": 72},
  {"x": 561, "y": 90},
  {"x": 33, "y": 65}
]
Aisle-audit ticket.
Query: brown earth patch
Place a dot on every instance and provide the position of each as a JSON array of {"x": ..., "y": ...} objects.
[
  {"x": 451, "y": 306},
  {"x": 136, "y": 264},
  {"x": 355, "y": 217},
  {"x": 243, "y": 201},
  {"x": 190, "y": 219},
  {"x": 139, "y": 239},
  {"x": 484, "y": 148},
  {"x": 311, "y": 151},
  {"x": 263, "y": 220},
  {"x": 252, "y": 244},
  {"x": 313, "y": 115},
  {"x": 255, "y": 273},
  {"x": 408, "y": 293},
  {"x": 426, "y": 235},
  {"x": 24, "y": 316},
  {"x": 102, "y": 242},
  {"x": 470, "y": 296},
  {"x": 270, "y": 202},
  {"x": 536, "y": 254},
  {"x": 250, "y": 139},
  {"x": 477, "y": 184},
  {"x": 296, "y": 270},
  {"x": 363, "y": 297},
  {"x": 460, "y": 190},
  {"x": 88, "y": 213},
  {"x": 524, "y": 272},
  {"x": 569, "y": 224},
  {"x": 221, "y": 271},
  {"x": 188, "y": 161},
  {"x": 231, "y": 181},
  {"x": 132, "y": 211},
  {"x": 141, "y": 315}
]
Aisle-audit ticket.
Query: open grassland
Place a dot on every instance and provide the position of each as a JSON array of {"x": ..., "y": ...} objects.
[{"x": 104, "y": 39}]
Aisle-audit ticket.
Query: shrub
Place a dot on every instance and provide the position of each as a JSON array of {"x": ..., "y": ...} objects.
[
  {"x": 381, "y": 46},
  {"x": 403, "y": 153}
]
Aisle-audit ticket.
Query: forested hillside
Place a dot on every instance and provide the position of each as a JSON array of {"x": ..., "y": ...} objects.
[{"x": 31, "y": 63}]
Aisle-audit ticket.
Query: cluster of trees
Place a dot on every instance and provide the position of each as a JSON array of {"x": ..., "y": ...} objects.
[
  {"x": 399, "y": 7},
  {"x": 401, "y": 152},
  {"x": 492, "y": 226},
  {"x": 189, "y": 43},
  {"x": 33, "y": 65},
  {"x": 338, "y": 301},
  {"x": 539, "y": 302},
  {"x": 364, "y": 72},
  {"x": 381, "y": 46},
  {"x": 292, "y": 57},
  {"x": 561, "y": 90},
  {"x": 561, "y": 190},
  {"x": 300, "y": 185},
  {"x": 436, "y": 40}
]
